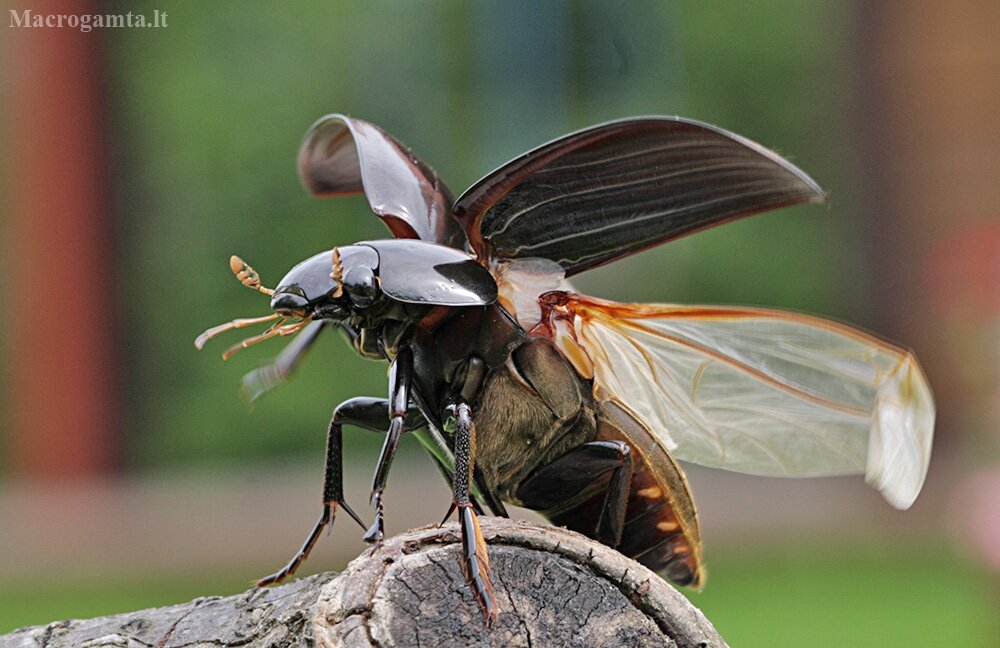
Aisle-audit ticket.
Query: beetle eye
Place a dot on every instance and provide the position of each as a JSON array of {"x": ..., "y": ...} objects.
[{"x": 361, "y": 285}]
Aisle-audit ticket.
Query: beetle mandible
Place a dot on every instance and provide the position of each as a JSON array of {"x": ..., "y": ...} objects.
[{"x": 470, "y": 305}]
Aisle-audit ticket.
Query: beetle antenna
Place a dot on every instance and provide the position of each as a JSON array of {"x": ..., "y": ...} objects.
[
  {"x": 228, "y": 326},
  {"x": 278, "y": 328},
  {"x": 247, "y": 275},
  {"x": 338, "y": 273}
]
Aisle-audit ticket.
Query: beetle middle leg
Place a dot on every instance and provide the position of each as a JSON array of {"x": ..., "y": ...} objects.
[
  {"x": 577, "y": 476},
  {"x": 367, "y": 413},
  {"x": 475, "y": 558},
  {"x": 400, "y": 377}
]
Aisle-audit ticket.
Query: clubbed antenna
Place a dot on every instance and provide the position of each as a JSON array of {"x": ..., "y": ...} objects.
[
  {"x": 249, "y": 278},
  {"x": 338, "y": 273},
  {"x": 247, "y": 275}
]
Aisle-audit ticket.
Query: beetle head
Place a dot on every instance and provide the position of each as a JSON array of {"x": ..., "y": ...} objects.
[
  {"x": 332, "y": 285},
  {"x": 310, "y": 289}
]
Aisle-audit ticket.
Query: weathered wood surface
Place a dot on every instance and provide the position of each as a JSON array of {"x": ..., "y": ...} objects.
[{"x": 554, "y": 588}]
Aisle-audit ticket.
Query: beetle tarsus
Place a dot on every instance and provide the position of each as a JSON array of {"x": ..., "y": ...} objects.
[
  {"x": 326, "y": 518},
  {"x": 376, "y": 532},
  {"x": 476, "y": 561}
]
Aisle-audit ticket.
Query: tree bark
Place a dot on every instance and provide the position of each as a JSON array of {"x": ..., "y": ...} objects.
[{"x": 554, "y": 588}]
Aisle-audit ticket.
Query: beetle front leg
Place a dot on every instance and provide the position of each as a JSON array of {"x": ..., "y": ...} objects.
[
  {"x": 367, "y": 413},
  {"x": 400, "y": 377},
  {"x": 263, "y": 379},
  {"x": 475, "y": 558}
]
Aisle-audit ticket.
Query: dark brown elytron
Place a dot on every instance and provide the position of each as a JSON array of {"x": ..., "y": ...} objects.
[{"x": 528, "y": 393}]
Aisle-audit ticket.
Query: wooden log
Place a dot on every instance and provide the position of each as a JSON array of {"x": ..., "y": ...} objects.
[{"x": 554, "y": 588}]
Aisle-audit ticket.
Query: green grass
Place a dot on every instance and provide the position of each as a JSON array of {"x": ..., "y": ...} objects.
[
  {"x": 802, "y": 597},
  {"x": 861, "y": 597},
  {"x": 24, "y": 604}
]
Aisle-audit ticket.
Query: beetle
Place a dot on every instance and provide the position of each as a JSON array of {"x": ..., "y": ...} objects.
[{"x": 528, "y": 393}]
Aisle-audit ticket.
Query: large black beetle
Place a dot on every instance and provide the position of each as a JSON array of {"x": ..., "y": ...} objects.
[{"x": 526, "y": 392}]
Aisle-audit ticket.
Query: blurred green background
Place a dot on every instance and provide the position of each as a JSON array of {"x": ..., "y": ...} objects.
[{"x": 201, "y": 121}]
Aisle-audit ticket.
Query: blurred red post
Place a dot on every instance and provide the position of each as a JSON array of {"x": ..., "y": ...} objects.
[
  {"x": 931, "y": 89},
  {"x": 932, "y": 75},
  {"x": 60, "y": 288}
]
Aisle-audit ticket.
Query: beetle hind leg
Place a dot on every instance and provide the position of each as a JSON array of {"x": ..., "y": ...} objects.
[{"x": 577, "y": 477}]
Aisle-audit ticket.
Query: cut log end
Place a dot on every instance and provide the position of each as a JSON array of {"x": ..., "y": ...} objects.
[{"x": 553, "y": 588}]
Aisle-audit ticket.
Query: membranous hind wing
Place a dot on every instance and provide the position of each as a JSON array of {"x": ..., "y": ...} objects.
[
  {"x": 612, "y": 190},
  {"x": 757, "y": 391},
  {"x": 341, "y": 155}
]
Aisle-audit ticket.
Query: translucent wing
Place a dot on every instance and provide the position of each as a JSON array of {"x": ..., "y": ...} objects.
[
  {"x": 757, "y": 391},
  {"x": 341, "y": 155},
  {"x": 611, "y": 190}
]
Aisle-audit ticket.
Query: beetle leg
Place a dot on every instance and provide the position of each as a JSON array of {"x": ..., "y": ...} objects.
[
  {"x": 400, "y": 376},
  {"x": 367, "y": 413},
  {"x": 475, "y": 558},
  {"x": 449, "y": 477},
  {"x": 469, "y": 377},
  {"x": 578, "y": 475},
  {"x": 263, "y": 379}
]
